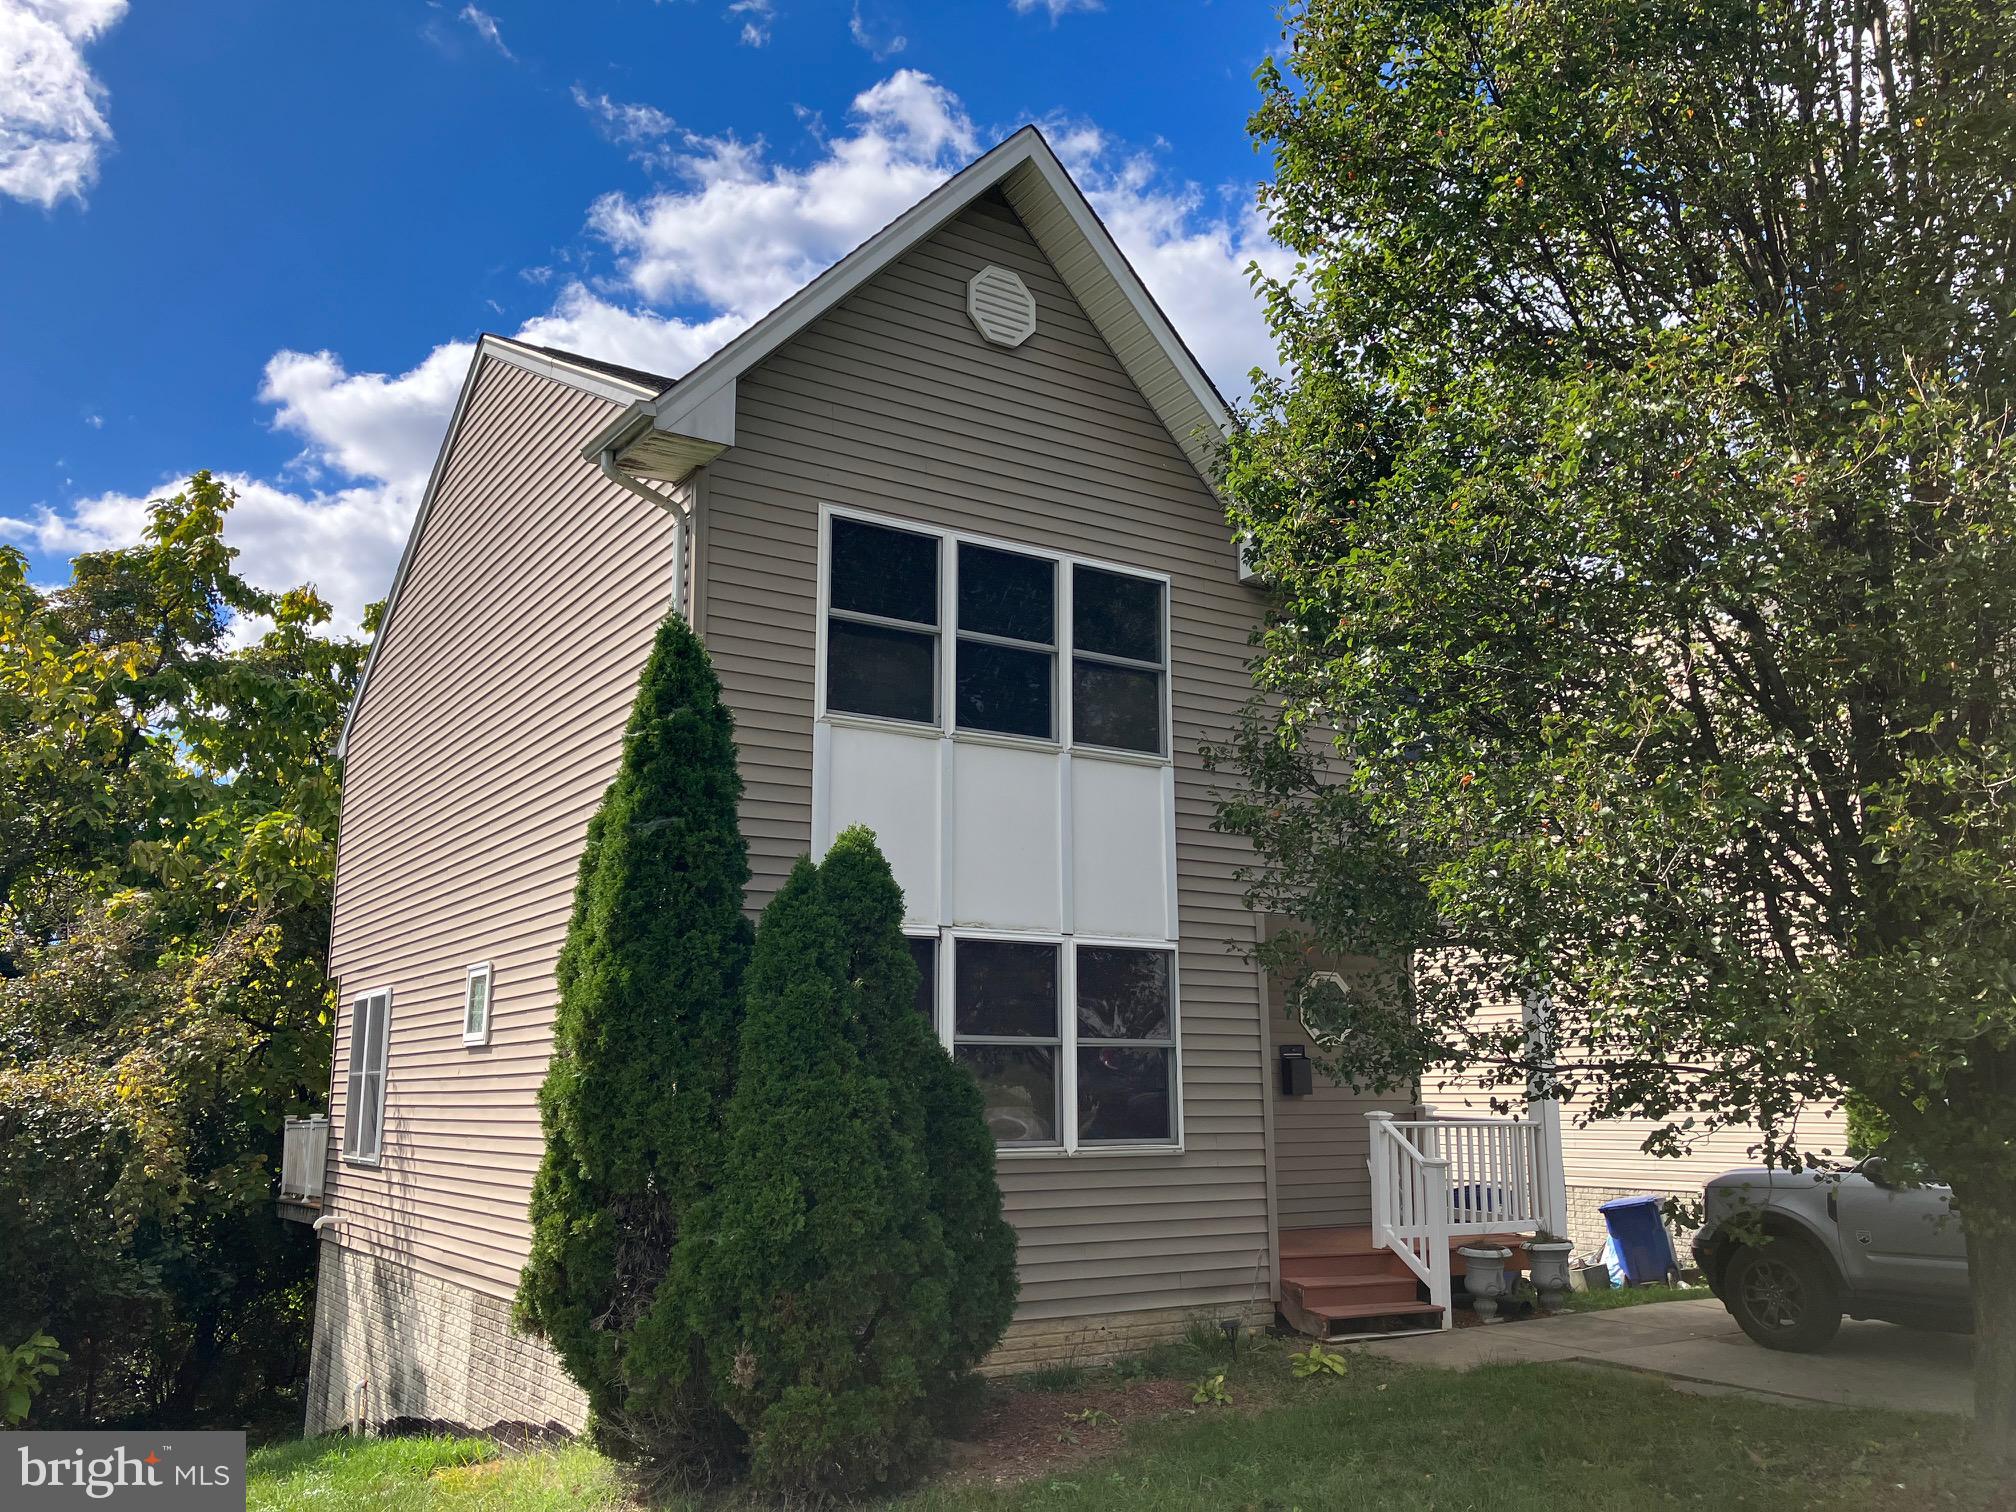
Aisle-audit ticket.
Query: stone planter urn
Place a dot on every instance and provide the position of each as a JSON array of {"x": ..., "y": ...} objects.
[
  {"x": 1547, "y": 1264},
  {"x": 1484, "y": 1277}
]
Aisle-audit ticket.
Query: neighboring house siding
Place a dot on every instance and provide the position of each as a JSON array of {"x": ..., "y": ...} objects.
[
  {"x": 493, "y": 724},
  {"x": 1608, "y": 1154},
  {"x": 892, "y": 403}
]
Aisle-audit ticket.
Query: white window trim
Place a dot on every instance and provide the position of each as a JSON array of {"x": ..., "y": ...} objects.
[
  {"x": 469, "y": 978},
  {"x": 947, "y": 641},
  {"x": 376, "y": 1153},
  {"x": 1069, "y": 1147}
]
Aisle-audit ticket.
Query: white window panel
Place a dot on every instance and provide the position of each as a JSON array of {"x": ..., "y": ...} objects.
[
  {"x": 1122, "y": 818},
  {"x": 1004, "y": 862},
  {"x": 890, "y": 782}
]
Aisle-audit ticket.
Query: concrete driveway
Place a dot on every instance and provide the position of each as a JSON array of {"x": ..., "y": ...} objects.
[{"x": 1698, "y": 1346}]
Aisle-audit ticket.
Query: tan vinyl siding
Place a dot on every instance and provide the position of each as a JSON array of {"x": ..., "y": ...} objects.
[
  {"x": 493, "y": 724},
  {"x": 1321, "y": 1143},
  {"x": 1610, "y": 1152},
  {"x": 892, "y": 402}
]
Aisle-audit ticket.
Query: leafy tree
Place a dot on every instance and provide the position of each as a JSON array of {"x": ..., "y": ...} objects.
[
  {"x": 643, "y": 1059},
  {"x": 936, "y": 1101},
  {"x": 1640, "y": 510},
  {"x": 819, "y": 1273},
  {"x": 168, "y": 796}
]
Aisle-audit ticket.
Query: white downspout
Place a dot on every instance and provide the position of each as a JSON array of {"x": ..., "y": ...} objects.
[{"x": 615, "y": 474}]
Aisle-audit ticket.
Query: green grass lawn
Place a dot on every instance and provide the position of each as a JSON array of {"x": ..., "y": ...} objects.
[{"x": 1505, "y": 1438}]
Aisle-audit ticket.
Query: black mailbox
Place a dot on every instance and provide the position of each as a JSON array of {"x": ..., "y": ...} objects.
[{"x": 1294, "y": 1071}]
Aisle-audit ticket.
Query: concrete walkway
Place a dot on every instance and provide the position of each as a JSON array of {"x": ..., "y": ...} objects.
[{"x": 1699, "y": 1347}]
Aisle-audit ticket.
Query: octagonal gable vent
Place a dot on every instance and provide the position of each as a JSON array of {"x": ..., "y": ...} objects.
[{"x": 1001, "y": 306}]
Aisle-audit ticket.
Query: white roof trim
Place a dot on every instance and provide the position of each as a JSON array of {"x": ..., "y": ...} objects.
[
  {"x": 699, "y": 410},
  {"x": 488, "y": 349}
]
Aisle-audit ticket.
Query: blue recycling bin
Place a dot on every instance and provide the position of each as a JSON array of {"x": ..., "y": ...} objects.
[{"x": 1638, "y": 1235}]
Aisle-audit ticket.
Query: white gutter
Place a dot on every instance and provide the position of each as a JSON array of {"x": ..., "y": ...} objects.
[{"x": 606, "y": 461}]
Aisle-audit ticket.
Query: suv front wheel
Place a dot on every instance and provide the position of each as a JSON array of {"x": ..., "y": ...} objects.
[{"x": 1783, "y": 1295}]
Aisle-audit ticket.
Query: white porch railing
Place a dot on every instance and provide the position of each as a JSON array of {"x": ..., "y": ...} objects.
[
  {"x": 304, "y": 1152},
  {"x": 1439, "y": 1179},
  {"x": 1410, "y": 1206}
]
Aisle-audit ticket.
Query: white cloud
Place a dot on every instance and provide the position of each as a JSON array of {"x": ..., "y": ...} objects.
[
  {"x": 875, "y": 31},
  {"x": 485, "y": 26},
  {"x": 581, "y": 321},
  {"x": 700, "y": 261},
  {"x": 746, "y": 231},
  {"x": 366, "y": 425},
  {"x": 52, "y": 116},
  {"x": 1192, "y": 257},
  {"x": 346, "y": 542},
  {"x": 1055, "y": 8},
  {"x": 640, "y": 128},
  {"x": 757, "y": 16}
]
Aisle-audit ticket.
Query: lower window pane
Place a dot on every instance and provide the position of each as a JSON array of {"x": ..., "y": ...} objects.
[
  {"x": 1003, "y": 689},
  {"x": 871, "y": 669},
  {"x": 1019, "y": 1086},
  {"x": 1123, "y": 1093},
  {"x": 1117, "y": 707}
]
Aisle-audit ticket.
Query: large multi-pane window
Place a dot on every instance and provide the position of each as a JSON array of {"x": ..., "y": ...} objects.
[
  {"x": 1116, "y": 1047},
  {"x": 895, "y": 596},
  {"x": 1073, "y": 1041}
]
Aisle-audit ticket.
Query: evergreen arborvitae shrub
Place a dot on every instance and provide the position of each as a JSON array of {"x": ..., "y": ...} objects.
[
  {"x": 644, "y": 1046},
  {"x": 819, "y": 1273},
  {"x": 935, "y": 1096}
]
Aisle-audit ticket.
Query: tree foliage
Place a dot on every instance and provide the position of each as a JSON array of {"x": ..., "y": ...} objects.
[
  {"x": 643, "y": 1060},
  {"x": 168, "y": 794},
  {"x": 1640, "y": 511},
  {"x": 820, "y": 1275},
  {"x": 937, "y": 1101}
]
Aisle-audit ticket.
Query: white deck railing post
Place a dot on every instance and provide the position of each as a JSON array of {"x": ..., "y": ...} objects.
[
  {"x": 1380, "y": 1164},
  {"x": 1440, "y": 1263},
  {"x": 1543, "y": 1107}
]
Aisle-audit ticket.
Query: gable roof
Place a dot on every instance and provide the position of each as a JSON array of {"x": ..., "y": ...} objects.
[{"x": 688, "y": 425}]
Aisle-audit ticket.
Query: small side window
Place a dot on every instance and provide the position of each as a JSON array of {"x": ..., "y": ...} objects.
[
  {"x": 364, "y": 1103},
  {"x": 476, "y": 1005}
]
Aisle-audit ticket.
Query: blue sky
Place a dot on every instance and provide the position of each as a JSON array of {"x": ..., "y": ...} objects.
[{"x": 259, "y": 235}]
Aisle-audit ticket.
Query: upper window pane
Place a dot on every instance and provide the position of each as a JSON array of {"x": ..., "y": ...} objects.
[
  {"x": 924, "y": 951},
  {"x": 1005, "y": 987},
  {"x": 1004, "y": 688},
  {"x": 1123, "y": 994},
  {"x": 1004, "y": 593},
  {"x": 1114, "y": 706},
  {"x": 891, "y": 573},
  {"x": 1116, "y": 615},
  {"x": 871, "y": 669}
]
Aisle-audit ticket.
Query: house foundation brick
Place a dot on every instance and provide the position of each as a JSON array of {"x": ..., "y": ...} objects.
[
  {"x": 394, "y": 1345},
  {"x": 1585, "y": 1220},
  {"x": 1035, "y": 1342},
  {"x": 397, "y": 1347}
]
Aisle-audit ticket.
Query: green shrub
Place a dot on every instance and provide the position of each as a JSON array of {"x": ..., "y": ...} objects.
[
  {"x": 820, "y": 1274},
  {"x": 644, "y": 1048},
  {"x": 935, "y": 1098}
]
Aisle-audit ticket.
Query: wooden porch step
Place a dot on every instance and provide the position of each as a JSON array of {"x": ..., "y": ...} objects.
[
  {"x": 1342, "y": 1267},
  {"x": 1347, "y": 1312},
  {"x": 1319, "y": 1295}
]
